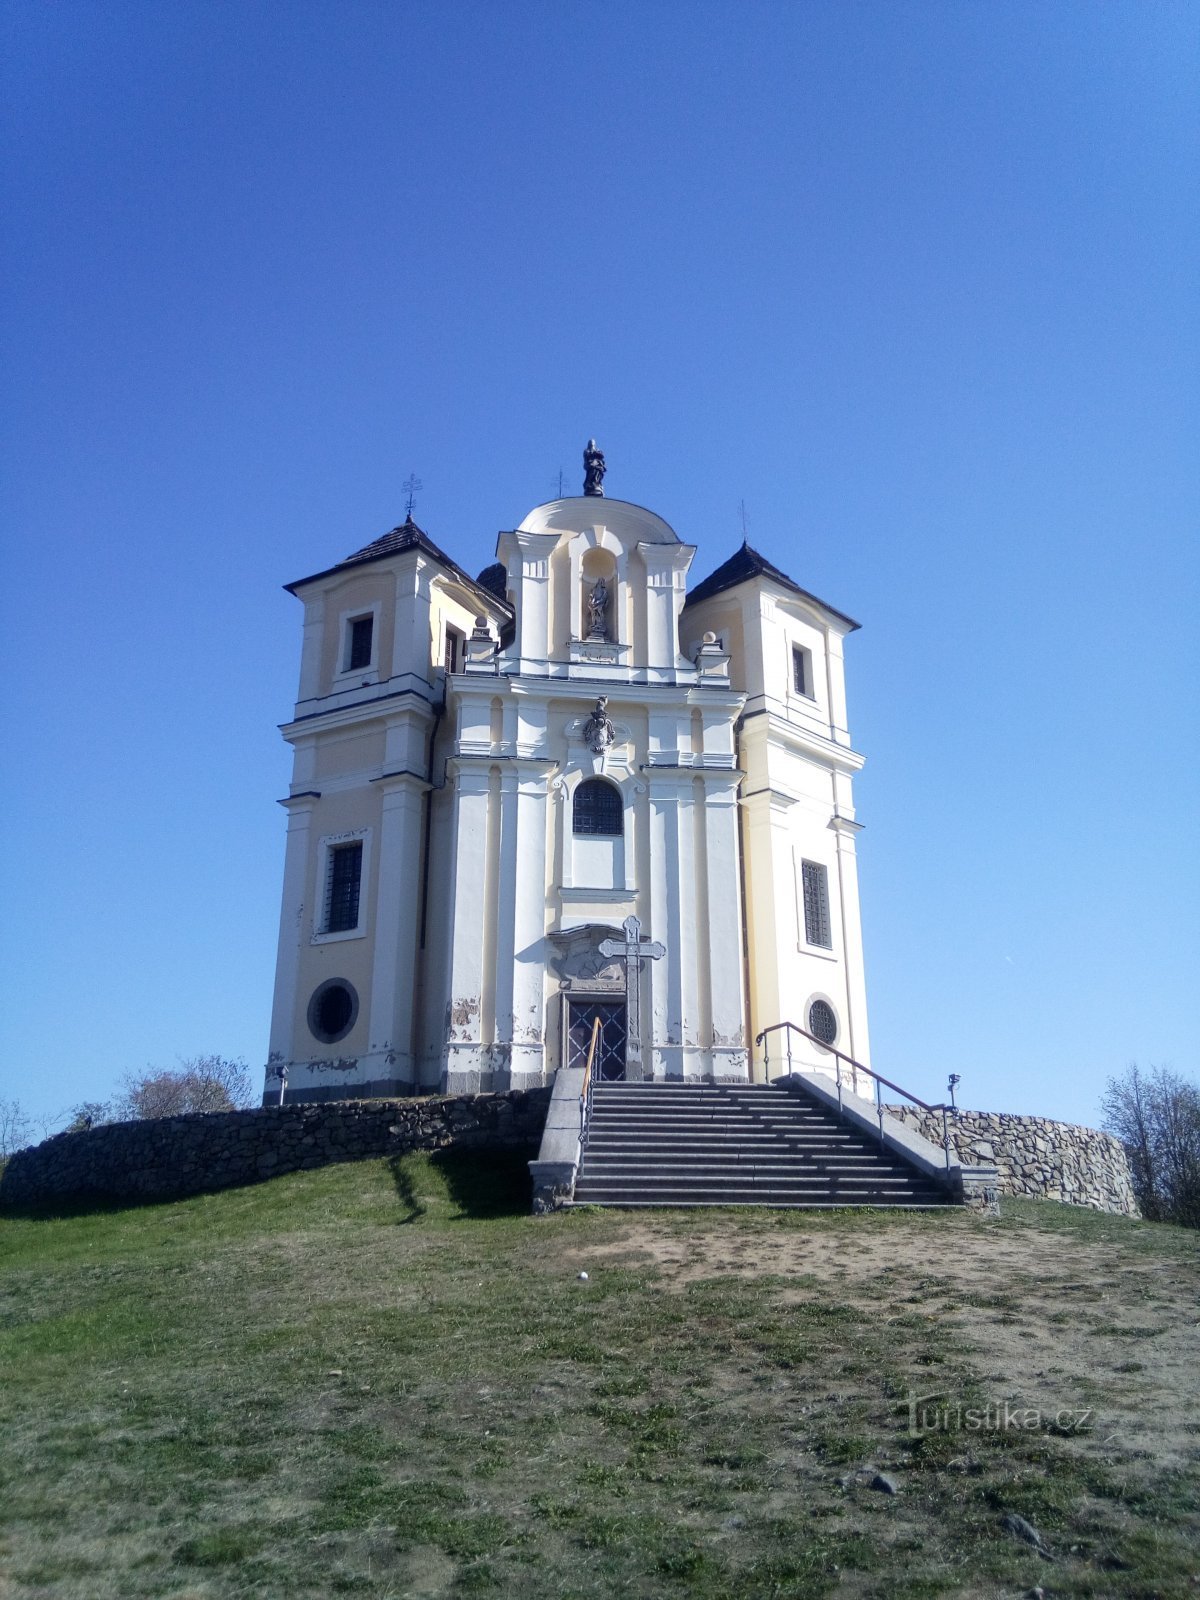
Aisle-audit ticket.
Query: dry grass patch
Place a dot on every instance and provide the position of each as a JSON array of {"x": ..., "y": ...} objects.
[{"x": 388, "y": 1380}]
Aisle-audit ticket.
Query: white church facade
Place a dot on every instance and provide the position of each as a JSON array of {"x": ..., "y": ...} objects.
[{"x": 568, "y": 789}]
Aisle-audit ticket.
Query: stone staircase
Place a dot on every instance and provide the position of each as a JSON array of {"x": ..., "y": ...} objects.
[{"x": 654, "y": 1144}]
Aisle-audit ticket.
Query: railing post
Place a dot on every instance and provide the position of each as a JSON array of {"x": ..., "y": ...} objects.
[
  {"x": 946, "y": 1137},
  {"x": 789, "y": 1049},
  {"x": 766, "y": 1044}
]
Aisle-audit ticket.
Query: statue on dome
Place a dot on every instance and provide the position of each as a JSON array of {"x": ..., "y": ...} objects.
[
  {"x": 597, "y": 608},
  {"x": 593, "y": 469}
]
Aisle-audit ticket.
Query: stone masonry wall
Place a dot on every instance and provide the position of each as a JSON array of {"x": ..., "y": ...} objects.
[
  {"x": 176, "y": 1156},
  {"x": 1033, "y": 1156}
]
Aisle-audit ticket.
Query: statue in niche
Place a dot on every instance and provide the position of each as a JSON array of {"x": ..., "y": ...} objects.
[
  {"x": 593, "y": 469},
  {"x": 598, "y": 731},
  {"x": 597, "y": 610}
]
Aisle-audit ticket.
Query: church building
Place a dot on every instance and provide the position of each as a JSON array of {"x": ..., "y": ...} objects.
[{"x": 568, "y": 789}]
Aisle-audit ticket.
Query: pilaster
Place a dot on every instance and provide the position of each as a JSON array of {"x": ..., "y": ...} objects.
[
  {"x": 291, "y": 926},
  {"x": 392, "y": 1032}
]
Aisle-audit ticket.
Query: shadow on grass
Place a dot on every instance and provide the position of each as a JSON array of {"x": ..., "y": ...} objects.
[
  {"x": 478, "y": 1184},
  {"x": 84, "y": 1205}
]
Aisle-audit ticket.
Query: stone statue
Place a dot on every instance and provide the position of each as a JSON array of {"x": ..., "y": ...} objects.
[
  {"x": 598, "y": 731},
  {"x": 597, "y": 607},
  {"x": 593, "y": 469}
]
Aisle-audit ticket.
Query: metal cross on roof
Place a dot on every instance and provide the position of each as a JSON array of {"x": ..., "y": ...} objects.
[
  {"x": 412, "y": 486},
  {"x": 633, "y": 950}
]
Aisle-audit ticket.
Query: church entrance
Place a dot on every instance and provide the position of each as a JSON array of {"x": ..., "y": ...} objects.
[{"x": 609, "y": 1064}]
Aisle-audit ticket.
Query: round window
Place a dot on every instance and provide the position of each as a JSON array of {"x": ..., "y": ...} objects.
[
  {"x": 822, "y": 1023},
  {"x": 333, "y": 1010}
]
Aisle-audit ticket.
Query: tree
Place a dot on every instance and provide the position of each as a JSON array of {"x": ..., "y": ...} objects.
[
  {"x": 1156, "y": 1116},
  {"x": 17, "y": 1128},
  {"x": 88, "y": 1114},
  {"x": 203, "y": 1083}
]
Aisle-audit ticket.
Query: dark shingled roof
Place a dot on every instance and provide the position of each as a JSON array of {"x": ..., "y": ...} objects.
[
  {"x": 406, "y": 537},
  {"x": 747, "y": 563}
]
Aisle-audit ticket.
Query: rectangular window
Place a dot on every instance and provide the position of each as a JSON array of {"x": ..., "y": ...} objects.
[
  {"x": 342, "y": 887},
  {"x": 359, "y": 639},
  {"x": 453, "y": 652},
  {"x": 816, "y": 904},
  {"x": 801, "y": 670}
]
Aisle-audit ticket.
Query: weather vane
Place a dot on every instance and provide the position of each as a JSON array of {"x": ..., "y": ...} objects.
[
  {"x": 562, "y": 482},
  {"x": 412, "y": 486},
  {"x": 742, "y": 511}
]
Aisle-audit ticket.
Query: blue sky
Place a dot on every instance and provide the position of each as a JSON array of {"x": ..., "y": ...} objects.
[{"x": 915, "y": 282}]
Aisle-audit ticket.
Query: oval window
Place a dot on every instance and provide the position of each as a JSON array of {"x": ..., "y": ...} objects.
[
  {"x": 822, "y": 1023},
  {"x": 333, "y": 1010}
]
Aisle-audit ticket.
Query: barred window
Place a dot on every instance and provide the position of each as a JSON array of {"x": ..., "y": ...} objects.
[
  {"x": 597, "y": 808},
  {"x": 822, "y": 1023},
  {"x": 332, "y": 1010},
  {"x": 358, "y": 654},
  {"x": 816, "y": 904},
  {"x": 342, "y": 887}
]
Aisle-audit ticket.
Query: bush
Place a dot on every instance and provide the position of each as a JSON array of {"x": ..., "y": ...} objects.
[{"x": 1156, "y": 1116}]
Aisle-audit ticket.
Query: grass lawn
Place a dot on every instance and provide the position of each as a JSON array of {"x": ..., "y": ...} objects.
[{"x": 386, "y": 1379}]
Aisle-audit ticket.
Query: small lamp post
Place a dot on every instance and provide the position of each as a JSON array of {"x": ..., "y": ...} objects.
[
  {"x": 955, "y": 1079},
  {"x": 282, "y": 1074}
]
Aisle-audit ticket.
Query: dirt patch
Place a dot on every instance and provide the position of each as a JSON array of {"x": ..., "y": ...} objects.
[{"x": 1066, "y": 1327}]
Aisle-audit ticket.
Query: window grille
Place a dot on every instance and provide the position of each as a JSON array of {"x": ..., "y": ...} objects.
[
  {"x": 597, "y": 808},
  {"x": 822, "y": 1023},
  {"x": 452, "y": 642},
  {"x": 801, "y": 672},
  {"x": 816, "y": 904},
  {"x": 342, "y": 889},
  {"x": 361, "y": 631}
]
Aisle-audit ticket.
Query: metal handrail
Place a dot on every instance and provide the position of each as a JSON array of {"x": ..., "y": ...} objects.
[
  {"x": 856, "y": 1067},
  {"x": 585, "y": 1093}
]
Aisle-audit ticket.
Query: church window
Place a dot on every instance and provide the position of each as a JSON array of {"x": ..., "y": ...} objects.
[
  {"x": 359, "y": 641},
  {"x": 597, "y": 808},
  {"x": 333, "y": 1010},
  {"x": 342, "y": 886},
  {"x": 822, "y": 1023},
  {"x": 816, "y": 904},
  {"x": 802, "y": 675}
]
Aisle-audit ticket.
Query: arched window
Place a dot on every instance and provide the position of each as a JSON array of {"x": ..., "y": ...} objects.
[{"x": 597, "y": 808}]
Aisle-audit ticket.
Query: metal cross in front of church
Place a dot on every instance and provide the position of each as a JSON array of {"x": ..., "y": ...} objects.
[{"x": 633, "y": 950}]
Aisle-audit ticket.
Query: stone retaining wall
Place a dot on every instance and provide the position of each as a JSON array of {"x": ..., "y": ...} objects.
[
  {"x": 176, "y": 1156},
  {"x": 1033, "y": 1156}
]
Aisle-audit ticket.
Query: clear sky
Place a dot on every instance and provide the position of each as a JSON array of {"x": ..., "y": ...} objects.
[{"x": 916, "y": 282}]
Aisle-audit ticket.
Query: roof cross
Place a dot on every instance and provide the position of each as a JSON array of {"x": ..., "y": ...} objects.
[{"x": 412, "y": 486}]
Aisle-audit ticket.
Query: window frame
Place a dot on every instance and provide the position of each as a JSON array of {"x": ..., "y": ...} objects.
[
  {"x": 314, "y": 1003},
  {"x": 325, "y": 848},
  {"x": 823, "y": 1000},
  {"x": 595, "y": 784},
  {"x": 825, "y": 909},
  {"x": 343, "y": 673},
  {"x": 802, "y": 659}
]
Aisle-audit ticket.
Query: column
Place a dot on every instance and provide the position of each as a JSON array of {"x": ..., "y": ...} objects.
[
  {"x": 665, "y": 978},
  {"x": 666, "y": 574},
  {"x": 527, "y": 559},
  {"x": 528, "y": 1064},
  {"x": 730, "y": 1057},
  {"x": 461, "y": 1060}
]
